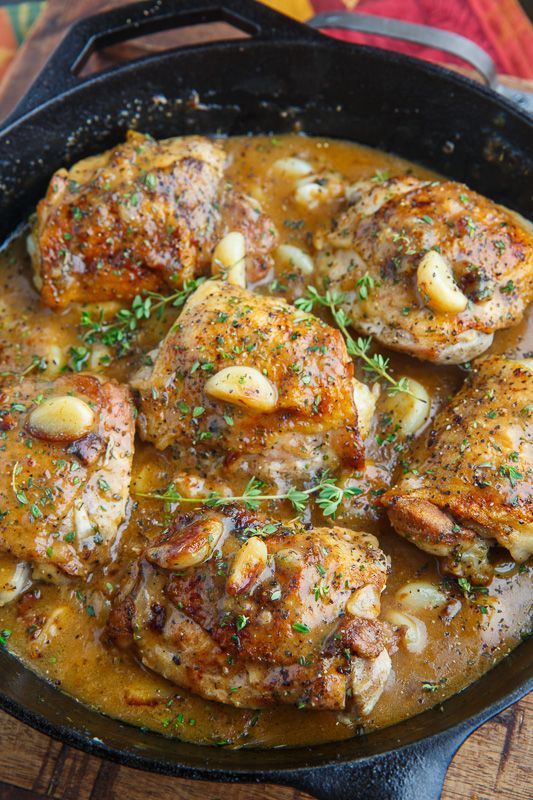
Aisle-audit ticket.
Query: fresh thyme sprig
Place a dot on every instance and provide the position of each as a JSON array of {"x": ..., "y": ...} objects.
[
  {"x": 470, "y": 591},
  {"x": 36, "y": 363},
  {"x": 119, "y": 332},
  {"x": 374, "y": 364},
  {"x": 329, "y": 496}
]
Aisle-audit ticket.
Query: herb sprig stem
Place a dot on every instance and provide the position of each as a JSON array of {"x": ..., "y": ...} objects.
[
  {"x": 329, "y": 496},
  {"x": 359, "y": 348},
  {"x": 118, "y": 332},
  {"x": 36, "y": 362}
]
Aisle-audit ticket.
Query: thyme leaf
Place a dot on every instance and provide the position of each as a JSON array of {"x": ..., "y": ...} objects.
[
  {"x": 36, "y": 363},
  {"x": 328, "y": 495},
  {"x": 375, "y": 364},
  {"x": 119, "y": 332}
]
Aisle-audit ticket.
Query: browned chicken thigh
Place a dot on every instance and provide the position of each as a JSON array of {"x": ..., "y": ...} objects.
[
  {"x": 67, "y": 451},
  {"x": 251, "y": 612},
  {"x": 432, "y": 269},
  {"x": 255, "y": 378},
  {"x": 141, "y": 217},
  {"x": 468, "y": 483}
]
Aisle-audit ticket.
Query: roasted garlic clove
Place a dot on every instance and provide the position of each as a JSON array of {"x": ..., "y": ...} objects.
[
  {"x": 189, "y": 547},
  {"x": 437, "y": 285},
  {"x": 248, "y": 564},
  {"x": 229, "y": 258},
  {"x": 61, "y": 419},
  {"x": 243, "y": 386}
]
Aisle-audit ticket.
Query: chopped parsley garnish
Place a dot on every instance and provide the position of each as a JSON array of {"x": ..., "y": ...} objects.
[
  {"x": 510, "y": 472},
  {"x": 241, "y": 622},
  {"x": 364, "y": 285},
  {"x": 300, "y": 627}
]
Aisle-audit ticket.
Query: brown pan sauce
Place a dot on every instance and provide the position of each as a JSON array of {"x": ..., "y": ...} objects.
[{"x": 465, "y": 638}]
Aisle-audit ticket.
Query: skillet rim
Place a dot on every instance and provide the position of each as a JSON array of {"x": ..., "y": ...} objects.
[
  {"x": 446, "y": 740},
  {"x": 314, "y": 39}
]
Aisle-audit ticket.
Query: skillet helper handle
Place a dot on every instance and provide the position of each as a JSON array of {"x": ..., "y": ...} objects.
[
  {"x": 438, "y": 39},
  {"x": 60, "y": 72},
  {"x": 414, "y": 772}
]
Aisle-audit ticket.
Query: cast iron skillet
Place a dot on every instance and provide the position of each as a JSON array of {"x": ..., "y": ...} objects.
[{"x": 284, "y": 76}]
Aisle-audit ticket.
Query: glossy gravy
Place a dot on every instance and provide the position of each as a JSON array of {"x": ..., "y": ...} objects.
[{"x": 465, "y": 639}]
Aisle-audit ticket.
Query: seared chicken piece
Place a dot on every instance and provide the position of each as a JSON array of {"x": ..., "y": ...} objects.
[
  {"x": 432, "y": 269},
  {"x": 67, "y": 451},
  {"x": 250, "y": 375},
  {"x": 250, "y": 612},
  {"x": 469, "y": 482},
  {"x": 141, "y": 217}
]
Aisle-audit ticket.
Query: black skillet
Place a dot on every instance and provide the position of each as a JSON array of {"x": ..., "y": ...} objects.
[{"x": 283, "y": 77}]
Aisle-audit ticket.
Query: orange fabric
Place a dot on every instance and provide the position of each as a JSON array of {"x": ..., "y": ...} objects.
[
  {"x": 298, "y": 9},
  {"x": 8, "y": 43}
]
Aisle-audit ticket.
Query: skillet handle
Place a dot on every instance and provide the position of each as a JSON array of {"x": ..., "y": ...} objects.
[
  {"x": 448, "y": 42},
  {"x": 60, "y": 73},
  {"x": 413, "y": 32},
  {"x": 414, "y": 772}
]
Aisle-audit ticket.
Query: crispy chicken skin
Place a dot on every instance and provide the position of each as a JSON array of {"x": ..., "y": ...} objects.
[
  {"x": 314, "y": 421},
  {"x": 62, "y": 501},
  {"x": 248, "y": 612},
  {"x": 385, "y": 229},
  {"x": 469, "y": 483},
  {"x": 143, "y": 216}
]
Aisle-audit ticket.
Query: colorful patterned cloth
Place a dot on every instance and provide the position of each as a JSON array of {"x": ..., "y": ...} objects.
[
  {"x": 500, "y": 26},
  {"x": 15, "y": 24}
]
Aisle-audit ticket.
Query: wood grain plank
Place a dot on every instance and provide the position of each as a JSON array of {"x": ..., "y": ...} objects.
[
  {"x": 494, "y": 764},
  {"x": 10, "y": 792},
  {"x": 73, "y": 775},
  {"x": 27, "y": 758},
  {"x": 126, "y": 783}
]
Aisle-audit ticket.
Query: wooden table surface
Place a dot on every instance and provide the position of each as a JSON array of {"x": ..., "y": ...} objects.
[{"x": 494, "y": 764}]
